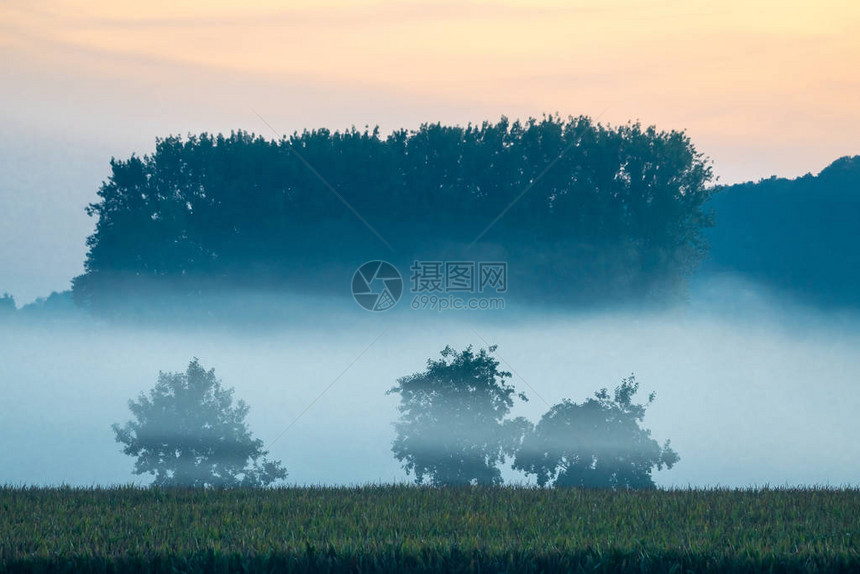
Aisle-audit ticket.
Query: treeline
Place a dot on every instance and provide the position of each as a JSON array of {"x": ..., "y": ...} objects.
[
  {"x": 586, "y": 210},
  {"x": 454, "y": 429},
  {"x": 56, "y": 306},
  {"x": 800, "y": 237}
]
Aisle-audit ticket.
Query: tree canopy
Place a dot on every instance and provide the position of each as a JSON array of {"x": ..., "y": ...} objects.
[
  {"x": 7, "y": 304},
  {"x": 454, "y": 427},
  {"x": 590, "y": 210},
  {"x": 596, "y": 444},
  {"x": 189, "y": 432}
]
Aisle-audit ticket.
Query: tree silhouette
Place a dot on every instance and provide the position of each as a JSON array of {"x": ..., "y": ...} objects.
[
  {"x": 596, "y": 444},
  {"x": 453, "y": 428},
  {"x": 7, "y": 304},
  {"x": 610, "y": 211},
  {"x": 188, "y": 432},
  {"x": 796, "y": 236}
]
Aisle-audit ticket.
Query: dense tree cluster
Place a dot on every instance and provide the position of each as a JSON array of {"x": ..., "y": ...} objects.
[
  {"x": 587, "y": 208},
  {"x": 455, "y": 429}
]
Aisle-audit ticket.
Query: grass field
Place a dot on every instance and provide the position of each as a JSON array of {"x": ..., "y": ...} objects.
[{"x": 400, "y": 528}]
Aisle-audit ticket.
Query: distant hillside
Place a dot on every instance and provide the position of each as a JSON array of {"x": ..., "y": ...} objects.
[{"x": 799, "y": 236}]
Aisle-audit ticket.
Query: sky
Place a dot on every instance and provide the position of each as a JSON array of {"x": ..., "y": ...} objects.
[{"x": 762, "y": 88}]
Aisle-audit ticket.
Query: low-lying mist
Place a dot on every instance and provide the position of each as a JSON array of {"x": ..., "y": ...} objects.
[{"x": 751, "y": 389}]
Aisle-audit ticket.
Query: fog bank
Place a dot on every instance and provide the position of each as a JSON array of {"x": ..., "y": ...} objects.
[{"x": 754, "y": 392}]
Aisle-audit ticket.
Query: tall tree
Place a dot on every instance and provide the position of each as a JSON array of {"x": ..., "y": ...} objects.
[
  {"x": 454, "y": 427},
  {"x": 189, "y": 432}
]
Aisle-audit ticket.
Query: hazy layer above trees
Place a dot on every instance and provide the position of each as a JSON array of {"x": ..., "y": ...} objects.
[
  {"x": 606, "y": 212},
  {"x": 800, "y": 236}
]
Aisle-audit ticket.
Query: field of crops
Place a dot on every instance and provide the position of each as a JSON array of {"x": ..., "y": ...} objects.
[{"x": 400, "y": 528}]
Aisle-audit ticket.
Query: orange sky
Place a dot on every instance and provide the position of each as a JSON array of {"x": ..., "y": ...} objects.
[{"x": 762, "y": 87}]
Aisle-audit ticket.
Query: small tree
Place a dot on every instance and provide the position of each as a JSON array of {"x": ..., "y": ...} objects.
[
  {"x": 188, "y": 432},
  {"x": 453, "y": 427},
  {"x": 7, "y": 304},
  {"x": 596, "y": 444}
]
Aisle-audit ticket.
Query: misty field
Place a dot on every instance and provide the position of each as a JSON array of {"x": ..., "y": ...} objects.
[{"x": 402, "y": 528}]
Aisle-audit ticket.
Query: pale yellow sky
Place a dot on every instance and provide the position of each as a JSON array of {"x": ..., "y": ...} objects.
[
  {"x": 740, "y": 76},
  {"x": 762, "y": 88}
]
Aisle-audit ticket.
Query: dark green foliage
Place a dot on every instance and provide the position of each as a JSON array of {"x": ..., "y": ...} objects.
[
  {"x": 596, "y": 444},
  {"x": 617, "y": 214},
  {"x": 798, "y": 236},
  {"x": 409, "y": 529},
  {"x": 454, "y": 427},
  {"x": 188, "y": 432}
]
